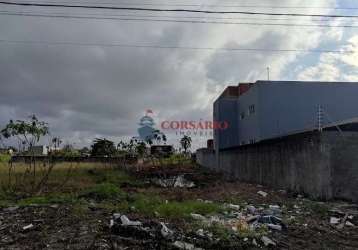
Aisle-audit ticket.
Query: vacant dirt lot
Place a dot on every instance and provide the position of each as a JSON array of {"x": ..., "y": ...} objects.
[{"x": 199, "y": 209}]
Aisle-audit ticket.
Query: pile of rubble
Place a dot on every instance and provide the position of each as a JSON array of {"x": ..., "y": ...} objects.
[
  {"x": 175, "y": 181},
  {"x": 151, "y": 234},
  {"x": 246, "y": 220},
  {"x": 238, "y": 220}
]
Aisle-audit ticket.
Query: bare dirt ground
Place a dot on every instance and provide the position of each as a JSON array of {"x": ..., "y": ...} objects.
[{"x": 86, "y": 224}]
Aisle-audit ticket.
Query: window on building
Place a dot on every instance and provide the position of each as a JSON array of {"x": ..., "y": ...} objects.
[
  {"x": 242, "y": 116},
  {"x": 252, "y": 109}
]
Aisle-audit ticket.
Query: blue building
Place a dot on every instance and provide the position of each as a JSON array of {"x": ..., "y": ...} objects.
[{"x": 270, "y": 109}]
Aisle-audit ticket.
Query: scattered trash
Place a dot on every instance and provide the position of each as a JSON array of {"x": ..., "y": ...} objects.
[
  {"x": 204, "y": 234},
  {"x": 267, "y": 241},
  {"x": 262, "y": 193},
  {"x": 334, "y": 220},
  {"x": 233, "y": 207},
  {"x": 28, "y": 227},
  {"x": 11, "y": 209},
  {"x": 343, "y": 222},
  {"x": 254, "y": 242},
  {"x": 176, "y": 181},
  {"x": 185, "y": 245},
  {"x": 350, "y": 224},
  {"x": 165, "y": 231},
  {"x": 127, "y": 222},
  {"x": 197, "y": 216},
  {"x": 269, "y": 219},
  {"x": 251, "y": 209},
  {"x": 275, "y": 227},
  {"x": 182, "y": 182}
]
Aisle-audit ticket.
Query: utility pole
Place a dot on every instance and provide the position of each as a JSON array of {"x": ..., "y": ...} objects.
[{"x": 268, "y": 73}]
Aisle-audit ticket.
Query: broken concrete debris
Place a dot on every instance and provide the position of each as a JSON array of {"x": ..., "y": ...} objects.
[
  {"x": 11, "y": 209},
  {"x": 185, "y": 246},
  {"x": 267, "y": 241},
  {"x": 127, "y": 222},
  {"x": 233, "y": 207},
  {"x": 165, "y": 231},
  {"x": 262, "y": 193},
  {"x": 197, "y": 216},
  {"x": 251, "y": 209},
  {"x": 176, "y": 181}
]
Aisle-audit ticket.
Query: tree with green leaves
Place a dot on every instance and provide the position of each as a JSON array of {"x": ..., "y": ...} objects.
[
  {"x": 103, "y": 147},
  {"x": 185, "y": 143},
  {"x": 28, "y": 133}
]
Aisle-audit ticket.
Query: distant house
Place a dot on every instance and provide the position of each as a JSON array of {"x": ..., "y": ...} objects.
[
  {"x": 4, "y": 150},
  {"x": 39, "y": 150},
  {"x": 162, "y": 150}
]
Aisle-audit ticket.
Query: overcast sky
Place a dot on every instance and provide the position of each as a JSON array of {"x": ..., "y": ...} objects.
[{"x": 87, "y": 92}]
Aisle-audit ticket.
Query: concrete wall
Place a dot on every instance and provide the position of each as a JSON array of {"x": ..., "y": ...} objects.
[
  {"x": 323, "y": 166},
  {"x": 206, "y": 157}
]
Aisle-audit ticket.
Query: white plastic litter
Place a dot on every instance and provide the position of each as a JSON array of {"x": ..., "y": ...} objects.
[
  {"x": 127, "y": 222},
  {"x": 262, "y": 193},
  {"x": 182, "y": 182},
  {"x": 165, "y": 231},
  {"x": 184, "y": 245},
  {"x": 234, "y": 207},
  {"x": 28, "y": 227},
  {"x": 267, "y": 241},
  {"x": 334, "y": 220},
  {"x": 275, "y": 227},
  {"x": 197, "y": 216},
  {"x": 251, "y": 209},
  {"x": 350, "y": 224}
]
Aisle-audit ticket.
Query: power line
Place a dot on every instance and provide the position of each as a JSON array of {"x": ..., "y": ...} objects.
[
  {"x": 167, "y": 16},
  {"x": 123, "y": 45},
  {"x": 182, "y": 21},
  {"x": 206, "y": 5},
  {"x": 172, "y": 10}
]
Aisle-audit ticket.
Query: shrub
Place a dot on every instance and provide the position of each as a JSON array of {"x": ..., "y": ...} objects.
[
  {"x": 43, "y": 200},
  {"x": 4, "y": 158},
  {"x": 103, "y": 191}
]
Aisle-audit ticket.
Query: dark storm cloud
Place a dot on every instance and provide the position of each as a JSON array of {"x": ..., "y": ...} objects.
[{"x": 86, "y": 92}]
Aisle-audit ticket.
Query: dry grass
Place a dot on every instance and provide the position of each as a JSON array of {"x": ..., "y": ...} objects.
[{"x": 64, "y": 177}]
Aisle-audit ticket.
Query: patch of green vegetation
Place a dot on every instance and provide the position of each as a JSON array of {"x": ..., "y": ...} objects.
[
  {"x": 4, "y": 158},
  {"x": 146, "y": 204},
  {"x": 219, "y": 231},
  {"x": 103, "y": 191},
  {"x": 117, "y": 177},
  {"x": 80, "y": 209},
  {"x": 175, "y": 159},
  {"x": 150, "y": 205},
  {"x": 319, "y": 209},
  {"x": 50, "y": 199},
  {"x": 185, "y": 208},
  {"x": 4, "y": 200}
]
